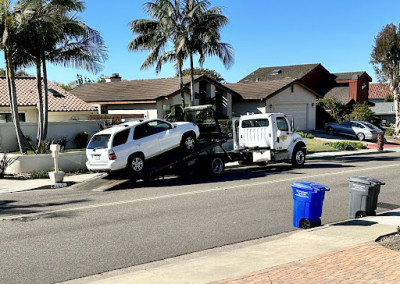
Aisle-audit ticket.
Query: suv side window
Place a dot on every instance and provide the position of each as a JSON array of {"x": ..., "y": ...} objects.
[
  {"x": 282, "y": 124},
  {"x": 143, "y": 130},
  {"x": 120, "y": 138},
  {"x": 159, "y": 126}
]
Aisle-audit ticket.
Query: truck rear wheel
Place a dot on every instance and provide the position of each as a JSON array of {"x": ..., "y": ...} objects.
[
  {"x": 216, "y": 166},
  {"x": 298, "y": 157}
]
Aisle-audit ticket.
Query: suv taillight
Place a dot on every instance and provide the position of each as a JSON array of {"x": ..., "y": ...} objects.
[
  {"x": 111, "y": 155},
  {"x": 373, "y": 132}
]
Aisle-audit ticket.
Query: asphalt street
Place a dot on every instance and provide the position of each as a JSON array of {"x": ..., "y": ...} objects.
[{"x": 60, "y": 234}]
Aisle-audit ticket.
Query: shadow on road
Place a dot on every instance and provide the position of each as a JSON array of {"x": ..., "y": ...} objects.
[{"x": 12, "y": 207}]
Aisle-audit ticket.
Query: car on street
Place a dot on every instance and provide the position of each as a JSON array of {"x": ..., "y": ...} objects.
[
  {"x": 358, "y": 129},
  {"x": 129, "y": 145}
]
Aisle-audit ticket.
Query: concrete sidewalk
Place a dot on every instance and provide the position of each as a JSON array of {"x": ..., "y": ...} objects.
[{"x": 344, "y": 252}]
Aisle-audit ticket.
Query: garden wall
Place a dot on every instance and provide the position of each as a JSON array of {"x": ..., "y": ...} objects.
[{"x": 68, "y": 129}]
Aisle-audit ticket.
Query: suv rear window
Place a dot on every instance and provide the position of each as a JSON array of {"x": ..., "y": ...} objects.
[{"x": 99, "y": 141}]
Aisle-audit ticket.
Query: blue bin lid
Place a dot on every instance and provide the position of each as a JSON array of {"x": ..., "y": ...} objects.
[{"x": 310, "y": 186}]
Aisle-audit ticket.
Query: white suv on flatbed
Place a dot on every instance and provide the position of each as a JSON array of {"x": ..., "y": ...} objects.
[{"x": 129, "y": 145}]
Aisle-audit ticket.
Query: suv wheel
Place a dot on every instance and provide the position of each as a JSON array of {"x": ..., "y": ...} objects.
[
  {"x": 136, "y": 164},
  {"x": 188, "y": 141}
]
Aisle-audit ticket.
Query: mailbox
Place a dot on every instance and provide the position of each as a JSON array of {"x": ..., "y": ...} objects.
[{"x": 55, "y": 150}]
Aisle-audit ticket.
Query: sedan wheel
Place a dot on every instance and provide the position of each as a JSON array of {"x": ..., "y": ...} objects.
[
  {"x": 360, "y": 136},
  {"x": 329, "y": 130}
]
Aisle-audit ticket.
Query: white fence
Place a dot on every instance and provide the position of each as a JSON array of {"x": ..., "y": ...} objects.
[{"x": 68, "y": 129}]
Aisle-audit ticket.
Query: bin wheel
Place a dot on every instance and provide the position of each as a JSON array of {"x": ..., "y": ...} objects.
[
  {"x": 305, "y": 224},
  {"x": 372, "y": 213},
  {"x": 361, "y": 214},
  {"x": 319, "y": 223}
]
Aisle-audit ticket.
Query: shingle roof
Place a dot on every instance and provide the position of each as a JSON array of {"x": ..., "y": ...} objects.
[
  {"x": 379, "y": 91},
  {"x": 350, "y": 75},
  {"x": 59, "y": 99},
  {"x": 279, "y": 72},
  {"x": 341, "y": 93},
  {"x": 259, "y": 90},
  {"x": 135, "y": 90}
]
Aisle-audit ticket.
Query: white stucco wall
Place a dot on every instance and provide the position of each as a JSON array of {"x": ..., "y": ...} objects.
[
  {"x": 70, "y": 115},
  {"x": 300, "y": 97},
  {"x": 71, "y": 161},
  {"x": 149, "y": 110},
  {"x": 8, "y": 140}
]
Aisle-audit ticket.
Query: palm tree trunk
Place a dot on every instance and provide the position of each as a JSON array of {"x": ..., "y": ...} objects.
[
  {"x": 191, "y": 80},
  {"x": 181, "y": 82},
  {"x": 39, "y": 136},
  {"x": 46, "y": 100},
  {"x": 10, "y": 75}
]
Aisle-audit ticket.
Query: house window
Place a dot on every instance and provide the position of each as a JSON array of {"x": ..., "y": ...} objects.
[{"x": 7, "y": 117}]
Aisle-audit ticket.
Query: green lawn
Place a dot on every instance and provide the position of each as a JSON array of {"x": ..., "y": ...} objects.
[{"x": 318, "y": 145}]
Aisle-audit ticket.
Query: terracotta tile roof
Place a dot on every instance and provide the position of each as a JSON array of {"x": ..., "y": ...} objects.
[
  {"x": 59, "y": 99},
  {"x": 379, "y": 90},
  {"x": 259, "y": 90},
  {"x": 279, "y": 73},
  {"x": 135, "y": 90}
]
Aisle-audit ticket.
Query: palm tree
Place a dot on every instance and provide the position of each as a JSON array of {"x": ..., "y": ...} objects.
[
  {"x": 9, "y": 33},
  {"x": 203, "y": 35},
  {"x": 168, "y": 27},
  {"x": 53, "y": 33}
]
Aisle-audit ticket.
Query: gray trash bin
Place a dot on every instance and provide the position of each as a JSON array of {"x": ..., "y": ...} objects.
[{"x": 364, "y": 193}]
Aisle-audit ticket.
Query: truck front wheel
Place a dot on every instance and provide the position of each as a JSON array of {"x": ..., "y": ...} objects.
[{"x": 298, "y": 157}]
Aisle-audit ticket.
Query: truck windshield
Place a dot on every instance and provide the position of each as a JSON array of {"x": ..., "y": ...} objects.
[
  {"x": 255, "y": 123},
  {"x": 99, "y": 141}
]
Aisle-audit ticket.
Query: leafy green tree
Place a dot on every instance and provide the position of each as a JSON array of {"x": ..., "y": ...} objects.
[
  {"x": 385, "y": 57},
  {"x": 19, "y": 73},
  {"x": 361, "y": 112},
  {"x": 335, "y": 108},
  {"x": 389, "y": 98},
  {"x": 202, "y": 71}
]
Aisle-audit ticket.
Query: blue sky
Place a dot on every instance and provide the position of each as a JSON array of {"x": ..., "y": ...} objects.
[{"x": 338, "y": 34}]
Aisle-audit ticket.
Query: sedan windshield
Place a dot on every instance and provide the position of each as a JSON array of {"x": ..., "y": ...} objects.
[{"x": 99, "y": 141}]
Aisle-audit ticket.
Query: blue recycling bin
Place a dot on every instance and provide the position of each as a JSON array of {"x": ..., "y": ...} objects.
[{"x": 308, "y": 198}]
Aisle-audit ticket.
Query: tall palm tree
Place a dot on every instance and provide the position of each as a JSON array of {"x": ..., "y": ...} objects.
[
  {"x": 167, "y": 28},
  {"x": 9, "y": 32},
  {"x": 53, "y": 33},
  {"x": 203, "y": 35}
]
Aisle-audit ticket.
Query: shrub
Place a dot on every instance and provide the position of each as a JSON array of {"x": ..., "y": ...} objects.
[
  {"x": 361, "y": 112},
  {"x": 345, "y": 145},
  {"x": 5, "y": 162},
  {"x": 39, "y": 174},
  {"x": 305, "y": 134},
  {"x": 389, "y": 131},
  {"x": 81, "y": 139}
]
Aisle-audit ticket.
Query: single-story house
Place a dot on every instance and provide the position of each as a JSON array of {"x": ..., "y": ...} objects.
[
  {"x": 288, "y": 95},
  {"x": 384, "y": 110},
  {"x": 154, "y": 98},
  {"x": 68, "y": 115},
  {"x": 63, "y": 106}
]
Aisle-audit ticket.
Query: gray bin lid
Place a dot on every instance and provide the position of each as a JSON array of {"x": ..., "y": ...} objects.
[{"x": 366, "y": 180}]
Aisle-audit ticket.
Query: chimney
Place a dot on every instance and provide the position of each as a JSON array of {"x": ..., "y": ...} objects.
[{"x": 113, "y": 78}]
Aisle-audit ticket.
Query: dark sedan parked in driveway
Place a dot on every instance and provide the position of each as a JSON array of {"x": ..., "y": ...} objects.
[{"x": 359, "y": 129}]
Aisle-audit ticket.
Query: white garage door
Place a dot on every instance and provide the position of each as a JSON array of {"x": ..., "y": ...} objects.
[{"x": 298, "y": 111}]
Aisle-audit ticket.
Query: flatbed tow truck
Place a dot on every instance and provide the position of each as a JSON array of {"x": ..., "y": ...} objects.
[{"x": 255, "y": 139}]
